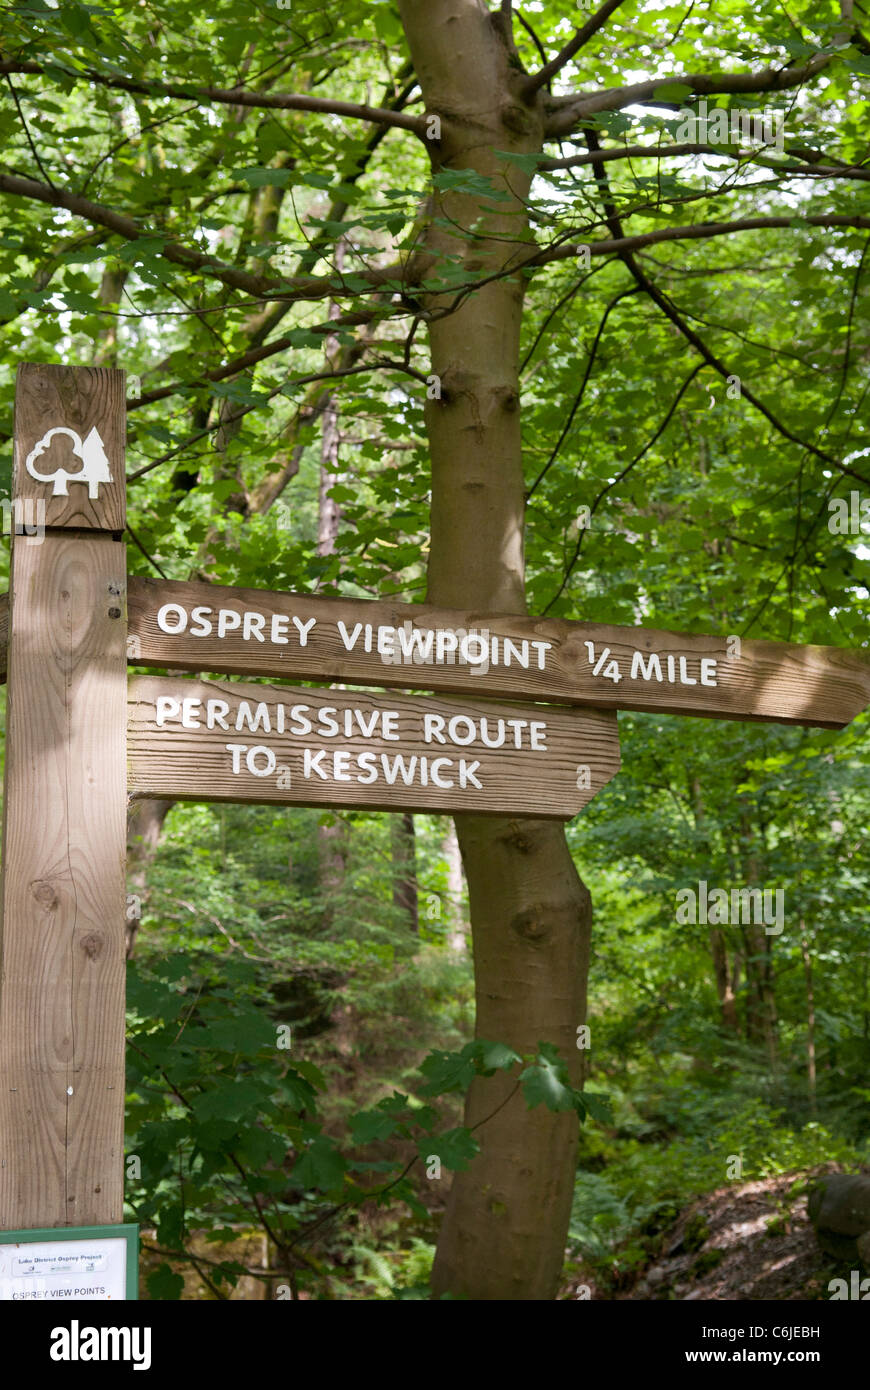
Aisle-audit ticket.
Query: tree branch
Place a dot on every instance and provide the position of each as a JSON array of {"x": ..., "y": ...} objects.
[
  {"x": 671, "y": 312},
  {"x": 235, "y": 96},
  {"x": 581, "y": 37},
  {"x": 261, "y": 286},
  {"x": 617, "y": 245},
  {"x": 602, "y": 492},
  {"x": 565, "y": 113},
  {"x": 623, "y": 294},
  {"x": 576, "y": 161},
  {"x": 23, "y": 119}
]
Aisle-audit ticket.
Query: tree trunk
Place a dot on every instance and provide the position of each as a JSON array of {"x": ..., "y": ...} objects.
[
  {"x": 761, "y": 1014},
  {"x": 718, "y": 948},
  {"x": 111, "y": 288},
  {"x": 811, "y": 1018},
  {"x": 329, "y": 513},
  {"x": 724, "y": 986},
  {"x": 144, "y": 824},
  {"x": 503, "y": 1234},
  {"x": 405, "y": 867},
  {"x": 331, "y": 839},
  {"x": 457, "y": 925}
]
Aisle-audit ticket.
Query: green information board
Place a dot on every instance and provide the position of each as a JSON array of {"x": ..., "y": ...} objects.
[{"x": 70, "y": 1265}]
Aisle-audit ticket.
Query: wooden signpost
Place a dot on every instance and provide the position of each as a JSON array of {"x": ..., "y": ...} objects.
[
  {"x": 80, "y": 738},
  {"x": 64, "y": 824},
  {"x": 197, "y": 741},
  {"x": 204, "y": 627}
]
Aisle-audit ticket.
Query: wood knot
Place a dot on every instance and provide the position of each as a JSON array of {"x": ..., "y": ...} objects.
[
  {"x": 517, "y": 118},
  {"x": 519, "y": 839},
  {"x": 509, "y": 398},
  {"x": 534, "y": 924},
  {"x": 92, "y": 945},
  {"x": 44, "y": 893},
  {"x": 540, "y": 922}
]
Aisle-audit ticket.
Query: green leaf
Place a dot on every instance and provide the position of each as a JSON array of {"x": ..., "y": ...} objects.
[
  {"x": 256, "y": 176},
  {"x": 369, "y": 1125},
  {"x": 597, "y": 1104},
  {"x": 321, "y": 1166},
  {"x": 494, "y": 1056},
  {"x": 546, "y": 1082},
  {"x": 456, "y": 1148},
  {"x": 164, "y": 1285},
  {"x": 448, "y": 1071},
  {"x": 673, "y": 91}
]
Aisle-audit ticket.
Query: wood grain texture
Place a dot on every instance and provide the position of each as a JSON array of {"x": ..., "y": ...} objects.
[
  {"x": 79, "y": 399},
  {"x": 769, "y": 681},
  {"x": 194, "y": 764},
  {"x": 62, "y": 938}
]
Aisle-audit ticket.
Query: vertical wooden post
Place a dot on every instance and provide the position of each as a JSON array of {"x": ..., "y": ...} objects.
[{"x": 64, "y": 840}]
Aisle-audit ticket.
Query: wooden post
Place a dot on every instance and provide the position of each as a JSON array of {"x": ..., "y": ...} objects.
[{"x": 63, "y": 891}]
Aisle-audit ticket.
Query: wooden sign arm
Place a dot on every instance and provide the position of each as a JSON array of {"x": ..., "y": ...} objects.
[
  {"x": 202, "y": 628},
  {"x": 199, "y": 627}
]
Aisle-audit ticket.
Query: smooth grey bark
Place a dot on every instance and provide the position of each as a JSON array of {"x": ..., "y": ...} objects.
[{"x": 503, "y": 1234}]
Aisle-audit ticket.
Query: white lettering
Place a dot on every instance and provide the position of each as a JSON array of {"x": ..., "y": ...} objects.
[
  {"x": 386, "y": 641},
  {"x": 453, "y": 729},
  {"x": 340, "y": 762},
  {"x": 253, "y": 719},
  {"x": 253, "y": 626},
  {"x": 646, "y": 672},
  {"x": 367, "y": 762},
  {"x": 326, "y": 718},
  {"x": 466, "y": 774},
  {"x": 203, "y": 622},
  {"x": 311, "y": 763},
  {"x": 349, "y": 639},
  {"x": 189, "y": 711},
  {"x": 237, "y": 749},
  {"x": 251, "y": 756},
  {"x": 304, "y": 629},
  {"x": 167, "y": 708},
  {"x": 163, "y": 618},
  {"x": 409, "y": 640},
  {"x": 300, "y": 719},
  {"x": 434, "y": 774},
  {"x": 215, "y": 714},
  {"x": 228, "y": 621},
  {"x": 433, "y": 725},
  {"x": 398, "y": 768}
]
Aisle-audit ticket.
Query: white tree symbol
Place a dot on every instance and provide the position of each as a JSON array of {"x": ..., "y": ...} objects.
[{"x": 95, "y": 465}]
